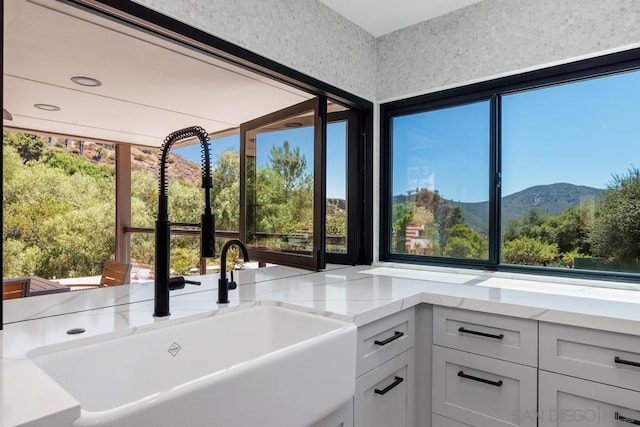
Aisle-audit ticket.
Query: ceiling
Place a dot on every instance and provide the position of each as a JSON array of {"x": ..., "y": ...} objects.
[
  {"x": 379, "y": 17},
  {"x": 150, "y": 87}
]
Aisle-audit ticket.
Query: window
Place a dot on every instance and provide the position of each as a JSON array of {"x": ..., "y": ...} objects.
[
  {"x": 440, "y": 182},
  {"x": 537, "y": 173},
  {"x": 567, "y": 151}
]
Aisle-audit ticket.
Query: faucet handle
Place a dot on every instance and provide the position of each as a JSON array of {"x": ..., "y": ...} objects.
[
  {"x": 232, "y": 284},
  {"x": 179, "y": 282}
]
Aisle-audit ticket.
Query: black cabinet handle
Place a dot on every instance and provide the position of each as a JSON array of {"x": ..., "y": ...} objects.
[
  {"x": 395, "y": 336},
  {"x": 482, "y": 380},
  {"x": 626, "y": 362},
  {"x": 626, "y": 420},
  {"x": 483, "y": 334},
  {"x": 397, "y": 381}
]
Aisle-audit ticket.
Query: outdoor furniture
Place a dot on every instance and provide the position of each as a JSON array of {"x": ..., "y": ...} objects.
[
  {"x": 113, "y": 274},
  {"x": 33, "y": 286},
  {"x": 12, "y": 288}
]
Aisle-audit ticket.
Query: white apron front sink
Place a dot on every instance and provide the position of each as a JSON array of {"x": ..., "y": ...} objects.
[{"x": 259, "y": 366}]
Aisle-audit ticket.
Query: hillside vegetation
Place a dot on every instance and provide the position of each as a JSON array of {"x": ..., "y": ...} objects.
[{"x": 561, "y": 225}]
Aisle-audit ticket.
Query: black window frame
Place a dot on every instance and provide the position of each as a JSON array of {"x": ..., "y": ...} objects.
[{"x": 492, "y": 91}]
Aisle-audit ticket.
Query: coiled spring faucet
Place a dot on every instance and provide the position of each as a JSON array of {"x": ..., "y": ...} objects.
[{"x": 163, "y": 226}]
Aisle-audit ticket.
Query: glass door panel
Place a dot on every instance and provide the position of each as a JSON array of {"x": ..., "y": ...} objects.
[{"x": 282, "y": 186}]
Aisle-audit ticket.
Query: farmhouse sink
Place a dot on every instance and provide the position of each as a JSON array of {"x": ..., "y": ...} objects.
[{"x": 259, "y": 366}]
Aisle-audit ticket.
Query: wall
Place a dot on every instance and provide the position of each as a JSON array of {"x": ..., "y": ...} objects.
[
  {"x": 500, "y": 36},
  {"x": 302, "y": 34}
]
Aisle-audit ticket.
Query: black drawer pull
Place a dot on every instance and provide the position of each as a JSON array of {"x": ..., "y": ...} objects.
[
  {"x": 626, "y": 362},
  {"x": 388, "y": 388},
  {"x": 395, "y": 336},
  {"x": 627, "y": 420},
  {"x": 482, "y": 380},
  {"x": 483, "y": 334}
]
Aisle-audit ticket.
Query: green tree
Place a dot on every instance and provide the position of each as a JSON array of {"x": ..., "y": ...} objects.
[
  {"x": 532, "y": 224},
  {"x": 402, "y": 216},
  {"x": 570, "y": 229},
  {"x": 29, "y": 147},
  {"x": 616, "y": 231},
  {"x": 283, "y": 197},
  {"x": 337, "y": 224},
  {"x": 463, "y": 242},
  {"x": 446, "y": 217},
  {"x": 226, "y": 181},
  {"x": 289, "y": 164},
  {"x": 78, "y": 242}
]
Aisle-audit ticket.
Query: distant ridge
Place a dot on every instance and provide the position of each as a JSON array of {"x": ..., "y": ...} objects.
[{"x": 551, "y": 199}]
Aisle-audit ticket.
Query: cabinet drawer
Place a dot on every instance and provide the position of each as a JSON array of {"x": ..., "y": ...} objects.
[
  {"x": 343, "y": 417},
  {"x": 384, "y": 396},
  {"x": 502, "y": 337},
  {"x": 384, "y": 339},
  {"x": 567, "y": 401},
  {"x": 481, "y": 391},
  {"x": 605, "y": 357}
]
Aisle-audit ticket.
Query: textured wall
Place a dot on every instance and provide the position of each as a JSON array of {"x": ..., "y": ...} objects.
[
  {"x": 499, "y": 36},
  {"x": 302, "y": 34}
]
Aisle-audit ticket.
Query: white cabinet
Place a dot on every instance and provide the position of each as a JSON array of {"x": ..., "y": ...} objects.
[
  {"x": 384, "y": 339},
  {"x": 385, "y": 389},
  {"x": 588, "y": 377},
  {"x": 600, "y": 356},
  {"x": 384, "y": 395},
  {"x": 484, "y": 369},
  {"x": 501, "y": 337},
  {"x": 566, "y": 402},
  {"x": 343, "y": 417},
  {"x": 483, "y": 391}
]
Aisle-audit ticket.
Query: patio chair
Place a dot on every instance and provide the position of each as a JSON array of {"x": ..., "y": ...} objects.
[
  {"x": 113, "y": 274},
  {"x": 14, "y": 288}
]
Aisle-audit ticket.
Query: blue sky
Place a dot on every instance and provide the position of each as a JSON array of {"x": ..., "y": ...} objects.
[
  {"x": 580, "y": 133},
  {"x": 300, "y": 137}
]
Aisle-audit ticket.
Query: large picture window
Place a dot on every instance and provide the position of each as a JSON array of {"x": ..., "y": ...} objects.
[{"x": 537, "y": 173}]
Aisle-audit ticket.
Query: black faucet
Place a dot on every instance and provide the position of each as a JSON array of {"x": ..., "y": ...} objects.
[
  {"x": 223, "y": 284},
  {"x": 163, "y": 284}
]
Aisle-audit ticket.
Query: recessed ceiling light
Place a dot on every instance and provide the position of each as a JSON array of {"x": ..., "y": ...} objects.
[
  {"x": 47, "y": 107},
  {"x": 6, "y": 115},
  {"x": 293, "y": 124},
  {"x": 86, "y": 81}
]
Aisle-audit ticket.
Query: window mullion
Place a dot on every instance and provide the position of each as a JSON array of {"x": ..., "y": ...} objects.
[{"x": 495, "y": 180}]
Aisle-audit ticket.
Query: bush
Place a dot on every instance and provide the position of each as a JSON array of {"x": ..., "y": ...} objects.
[
  {"x": 72, "y": 165},
  {"x": 529, "y": 251},
  {"x": 139, "y": 157}
]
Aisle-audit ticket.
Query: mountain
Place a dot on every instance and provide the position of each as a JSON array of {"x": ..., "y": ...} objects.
[
  {"x": 142, "y": 159},
  {"x": 551, "y": 199}
]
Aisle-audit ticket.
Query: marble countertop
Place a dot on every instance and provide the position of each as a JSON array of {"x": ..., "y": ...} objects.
[{"x": 359, "y": 294}]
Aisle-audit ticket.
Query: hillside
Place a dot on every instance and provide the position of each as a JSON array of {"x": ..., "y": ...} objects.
[
  {"x": 142, "y": 159},
  {"x": 551, "y": 199}
]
